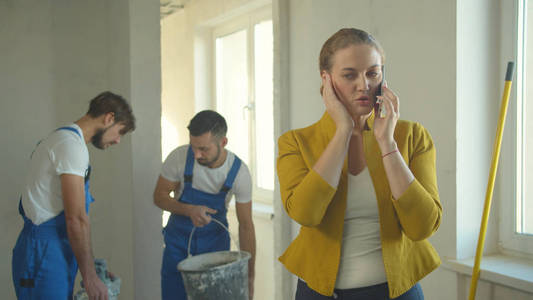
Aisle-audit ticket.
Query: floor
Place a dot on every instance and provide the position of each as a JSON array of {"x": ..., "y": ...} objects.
[{"x": 264, "y": 263}]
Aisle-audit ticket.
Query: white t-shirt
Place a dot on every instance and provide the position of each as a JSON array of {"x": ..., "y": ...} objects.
[
  {"x": 361, "y": 261},
  {"x": 207, "y": 179},
  {"x": 62, "y": 152}
]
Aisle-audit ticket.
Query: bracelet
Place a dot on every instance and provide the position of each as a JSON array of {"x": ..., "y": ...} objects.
[{"x": 393, "y": 151}]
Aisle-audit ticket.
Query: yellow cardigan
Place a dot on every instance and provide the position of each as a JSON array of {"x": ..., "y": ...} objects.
[{"x": 320, "y": 208}]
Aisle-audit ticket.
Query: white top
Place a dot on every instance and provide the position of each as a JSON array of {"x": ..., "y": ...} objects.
[
  {"x": 62, "y": 152},
  {"x": 361, "y": 261},
  {"x": 207, "y": 179}
]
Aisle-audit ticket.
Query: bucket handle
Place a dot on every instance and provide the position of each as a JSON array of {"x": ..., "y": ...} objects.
[{"x": 221, "y": 224}]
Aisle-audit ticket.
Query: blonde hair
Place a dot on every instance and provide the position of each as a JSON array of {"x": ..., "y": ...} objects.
[{"x": 342, "y": 39}]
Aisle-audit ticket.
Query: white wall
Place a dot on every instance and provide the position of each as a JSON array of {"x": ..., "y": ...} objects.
[
  {"x": 440, "y": 59},
  {"x": 177, "y": 80},
  {"x": 478, "y": 99},
  {"x": 55, "y": 57},
  {"x": 282, "y": 235},
  {"x": 145, "y": 76}
]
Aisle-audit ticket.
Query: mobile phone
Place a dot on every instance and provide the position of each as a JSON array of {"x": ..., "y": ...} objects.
[{"x": 379, "y": 109}]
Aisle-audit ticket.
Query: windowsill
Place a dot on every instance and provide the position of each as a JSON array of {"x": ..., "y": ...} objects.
[
  {"x": 501, "y": 269},
  {"x": 263, "y": 210},
  {"x": 259, "y": 209}
]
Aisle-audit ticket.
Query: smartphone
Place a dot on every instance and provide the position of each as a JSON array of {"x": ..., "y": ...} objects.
[{"x": 379, "y": 109}]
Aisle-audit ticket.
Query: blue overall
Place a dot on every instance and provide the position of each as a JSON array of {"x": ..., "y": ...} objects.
[
  {"x": 43, "y": 264},
  {"x": 212, "y": 237}
]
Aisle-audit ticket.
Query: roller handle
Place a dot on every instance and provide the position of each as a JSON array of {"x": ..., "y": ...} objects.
[{"x": 510, "y": 71}]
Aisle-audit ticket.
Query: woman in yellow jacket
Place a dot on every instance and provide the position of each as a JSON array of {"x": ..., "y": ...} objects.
[{"x": 362, "y": 186}]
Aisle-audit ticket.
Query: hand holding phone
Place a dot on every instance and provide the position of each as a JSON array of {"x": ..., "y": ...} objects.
[{"x": 379, "y": 109}]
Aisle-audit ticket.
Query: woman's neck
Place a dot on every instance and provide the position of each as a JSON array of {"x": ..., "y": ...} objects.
[{"x": 359, "y": 123}]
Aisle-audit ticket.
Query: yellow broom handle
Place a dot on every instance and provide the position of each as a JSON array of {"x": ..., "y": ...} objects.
[{"x": 492, "y": 177}]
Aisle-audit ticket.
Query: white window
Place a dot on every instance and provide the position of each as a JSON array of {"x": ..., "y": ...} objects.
[
  {"x": 169, "y": 142},
  {"x": 243, "y": 51},
  {"x": 516, "y": 197}
]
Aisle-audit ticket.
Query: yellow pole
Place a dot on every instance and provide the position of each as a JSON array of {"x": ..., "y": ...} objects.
[{"x": 492, "y": 177}]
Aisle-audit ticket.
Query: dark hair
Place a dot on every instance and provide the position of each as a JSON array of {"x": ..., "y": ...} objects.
[
  {"x": 208, "y": 121},
  {"x": 342, "y": 39},
  {"x": 107, "y": 102}
]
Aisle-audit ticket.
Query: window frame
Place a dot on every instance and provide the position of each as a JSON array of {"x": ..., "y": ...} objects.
[
  {"x": 510, "y": 241},
  {"x": 246, "y": 22}
]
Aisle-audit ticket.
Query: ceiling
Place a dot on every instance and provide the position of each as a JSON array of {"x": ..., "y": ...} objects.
[{"x": 168, "y": 7}]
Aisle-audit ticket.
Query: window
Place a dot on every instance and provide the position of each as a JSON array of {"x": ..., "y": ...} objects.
[
  {"x": 524, "y": 205},
  {"x": 169, "y": 142},
  {"x": 516, "y": 229},
  {"x": 244, "y": 94}
]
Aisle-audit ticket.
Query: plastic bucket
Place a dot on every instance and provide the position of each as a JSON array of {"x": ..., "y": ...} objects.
[{"x": 217, "y": 275}]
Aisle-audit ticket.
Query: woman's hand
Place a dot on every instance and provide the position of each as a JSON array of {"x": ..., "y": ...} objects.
[
  {"x": 384, "y": 127},
  {"x": 334, "y": 106}
]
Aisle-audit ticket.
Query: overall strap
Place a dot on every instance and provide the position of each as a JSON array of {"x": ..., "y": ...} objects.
[
  {"x": 21, "y": 209},
  {"x": 88, "y": 171},
  {"x": 60, "y": 128},
  {"x": 71, "y": 129},
  {"x": 189, "y": 166},
  {"x": 86, "y": 179},
  {"x": 87, "y": 174},
  {"x": 88, "y": 197},
  {"x": 228, "y": 184}
]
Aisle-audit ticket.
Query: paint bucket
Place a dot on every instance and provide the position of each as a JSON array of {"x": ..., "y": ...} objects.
[{"x": 217, "y": 275}]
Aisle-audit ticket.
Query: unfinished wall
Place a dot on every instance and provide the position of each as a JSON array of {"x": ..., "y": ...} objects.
[
  {"x": 27, "y": 109},
  {"x": 55, "y": 57}
]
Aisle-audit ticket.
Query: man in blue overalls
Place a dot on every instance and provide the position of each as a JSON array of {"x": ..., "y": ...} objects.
[
  {"x": 55, "y": 202},
  {"x": 203, "y": 176}
]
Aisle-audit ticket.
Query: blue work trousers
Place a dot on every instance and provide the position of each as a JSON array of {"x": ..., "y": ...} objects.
[{"x": 44, "y": 266}]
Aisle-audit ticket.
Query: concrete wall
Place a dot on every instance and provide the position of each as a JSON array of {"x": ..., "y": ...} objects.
[
  {"x": 56, "y": 56},
  {"x": 26, "y": 114}
]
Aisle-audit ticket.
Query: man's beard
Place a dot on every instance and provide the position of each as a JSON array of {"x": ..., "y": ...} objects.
[
  {"x": 97, "y": 139},
  {"x": 211, "y": 162}
]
